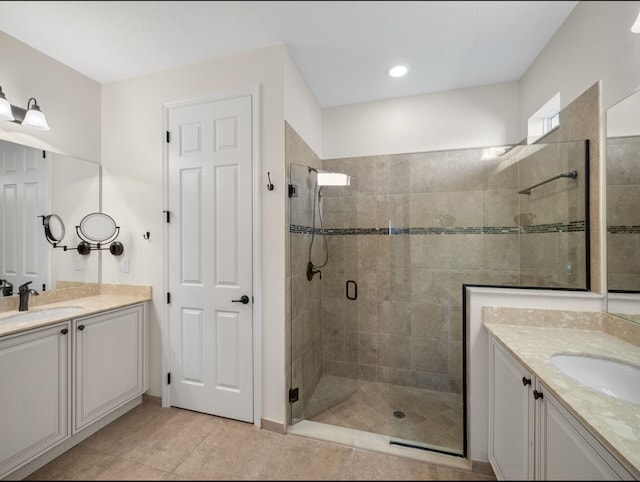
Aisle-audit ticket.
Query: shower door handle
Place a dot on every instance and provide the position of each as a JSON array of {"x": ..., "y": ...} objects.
[
  {"x": 355, "y": 289},
  {"x": 244, "y": 299}
]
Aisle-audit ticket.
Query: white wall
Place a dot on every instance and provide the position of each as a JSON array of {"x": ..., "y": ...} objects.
[
  {"x": 594, "y": 43},
  {"x": 69, "y": 100},
  {"x": 132, "y": 157},
  {"x": 301, "y": 110},
  {"x": 465, "y": 118}
]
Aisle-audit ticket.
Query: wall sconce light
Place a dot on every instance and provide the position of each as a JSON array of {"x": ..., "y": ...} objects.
[{"x": 32, "y": 116}]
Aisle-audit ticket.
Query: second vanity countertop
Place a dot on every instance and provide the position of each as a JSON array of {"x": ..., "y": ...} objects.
[
  {"x": 614, "y": 421},
  {"x": 89, "y": 305}
]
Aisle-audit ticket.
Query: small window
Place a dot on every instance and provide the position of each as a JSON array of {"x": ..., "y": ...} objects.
[
  {"x": 544, "y": 120},
  {"x": 551, "y": 121}
]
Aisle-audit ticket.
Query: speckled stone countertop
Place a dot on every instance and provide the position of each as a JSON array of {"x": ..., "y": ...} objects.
[
  {"x": 533, "y": 336},
  {"x": 91, "y": 299}
]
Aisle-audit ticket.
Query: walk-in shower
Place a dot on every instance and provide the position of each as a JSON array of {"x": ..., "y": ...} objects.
[{"x": 377, "y": 341}]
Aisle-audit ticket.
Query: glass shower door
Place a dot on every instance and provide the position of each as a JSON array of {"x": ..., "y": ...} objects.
[{"x": 324, "y": 349}]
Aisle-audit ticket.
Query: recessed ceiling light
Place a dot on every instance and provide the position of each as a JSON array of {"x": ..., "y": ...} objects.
[{"x": 397, "y": 71}]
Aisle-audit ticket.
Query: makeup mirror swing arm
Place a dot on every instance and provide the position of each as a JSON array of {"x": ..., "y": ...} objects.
[{"x": 85, "y": 247}]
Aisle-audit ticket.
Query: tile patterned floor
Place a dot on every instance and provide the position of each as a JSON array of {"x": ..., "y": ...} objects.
[
  {"x": 432, "y": 419},
  {"x": 155, "y": 443}
]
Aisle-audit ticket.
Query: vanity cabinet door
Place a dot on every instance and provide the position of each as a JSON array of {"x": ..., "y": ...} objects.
[
  {"x": 511, "y": 416},
  {"x": 109, "y": 350},
  {"x": 34, "y": 394},
  {"x": 566, "y": 450}
]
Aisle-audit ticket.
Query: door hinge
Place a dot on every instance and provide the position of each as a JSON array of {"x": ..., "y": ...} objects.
[
  {"x": 168, "y": 378},
  {"x": 168, "y": 298},
  {"x": 44, "y": 154},
  {"x": 168, "y": 137},
  {"x": 293, "y": 395},
  {"x": 168, "y": 216}
]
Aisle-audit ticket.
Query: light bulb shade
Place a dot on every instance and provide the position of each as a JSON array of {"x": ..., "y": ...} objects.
[
  {"x": 397, "y": 71},
  {"x": 635, "y": 28},
  {"x": 333, "y": 179},
  {"x": 5, "y": 109},
  {"x": 35, "y": 118}
]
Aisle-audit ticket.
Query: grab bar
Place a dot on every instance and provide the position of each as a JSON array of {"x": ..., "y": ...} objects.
[{"x": 572, "y": 175}]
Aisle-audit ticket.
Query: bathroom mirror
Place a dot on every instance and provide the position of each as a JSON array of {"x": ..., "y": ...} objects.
[
  {"x": 36, "y": 184},
  {"x": 623, "y": 207}
]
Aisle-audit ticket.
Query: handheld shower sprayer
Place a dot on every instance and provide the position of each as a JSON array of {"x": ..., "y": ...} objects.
[{"x": 312, "y": 268}]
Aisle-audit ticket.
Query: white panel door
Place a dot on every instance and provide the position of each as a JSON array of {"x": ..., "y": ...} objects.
[
  {"x": 210, "y": 257},
  {"x": 24, "y": 197}
]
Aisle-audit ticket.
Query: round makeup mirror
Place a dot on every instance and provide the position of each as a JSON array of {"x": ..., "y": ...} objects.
[
  {"x": 53, "y": 228},
  {"x": 97, "y": 227}
]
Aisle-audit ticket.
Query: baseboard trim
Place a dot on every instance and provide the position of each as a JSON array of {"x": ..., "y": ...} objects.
[
  {"x": 483, "y": 468},
  {"x": 152, "y": 399},
  {"x": 272, "y": 426}
]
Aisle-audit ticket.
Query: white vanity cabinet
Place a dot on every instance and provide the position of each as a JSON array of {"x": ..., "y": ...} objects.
[
  {"x": 511, "y": 416},
  {"x": 108, "y": 362},
  {"x": 533, "y": 436},
  {"x": 61, "y": 383},
  {"x": 35, "y": 388}
]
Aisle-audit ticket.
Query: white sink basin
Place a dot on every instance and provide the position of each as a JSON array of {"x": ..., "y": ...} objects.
[
  {"x": 616, "y": 379},
  {"x": 41, "y": 314}
]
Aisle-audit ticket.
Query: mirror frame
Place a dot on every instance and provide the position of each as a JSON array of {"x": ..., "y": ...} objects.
[
  {"x": 92, "y": 225},
  {"x": 50, "y": 227}
]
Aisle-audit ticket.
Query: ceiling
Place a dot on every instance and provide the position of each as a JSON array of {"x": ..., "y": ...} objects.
[{"x": 342, "y": 48}]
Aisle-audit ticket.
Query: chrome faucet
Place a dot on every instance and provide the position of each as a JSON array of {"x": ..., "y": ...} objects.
[{"x": 24, "y": 291}]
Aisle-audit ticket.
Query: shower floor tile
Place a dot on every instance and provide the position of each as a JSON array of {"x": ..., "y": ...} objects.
[{"x": 431, "y": 419}]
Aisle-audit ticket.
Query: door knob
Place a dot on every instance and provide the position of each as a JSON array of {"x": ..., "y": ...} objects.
[{"x": 244, "y": 299}]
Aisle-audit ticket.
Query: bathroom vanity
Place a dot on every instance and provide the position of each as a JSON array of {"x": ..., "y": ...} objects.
[
  {"x": 66, "y": 370},
  {"x": 545, "y": 425}
]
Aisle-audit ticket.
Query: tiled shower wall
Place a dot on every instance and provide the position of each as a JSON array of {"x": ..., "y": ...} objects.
[
  {"x": 412, "y": 228},
  {"x": 623, "y": 213}
]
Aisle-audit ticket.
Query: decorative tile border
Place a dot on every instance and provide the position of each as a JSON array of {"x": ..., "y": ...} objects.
[
  {"x": 574, "y": 226},
  {"x": 623, "y": 229}
]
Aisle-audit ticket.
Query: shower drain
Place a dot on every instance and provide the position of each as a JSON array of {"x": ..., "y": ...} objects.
[{"x": 398, "y": 414}]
